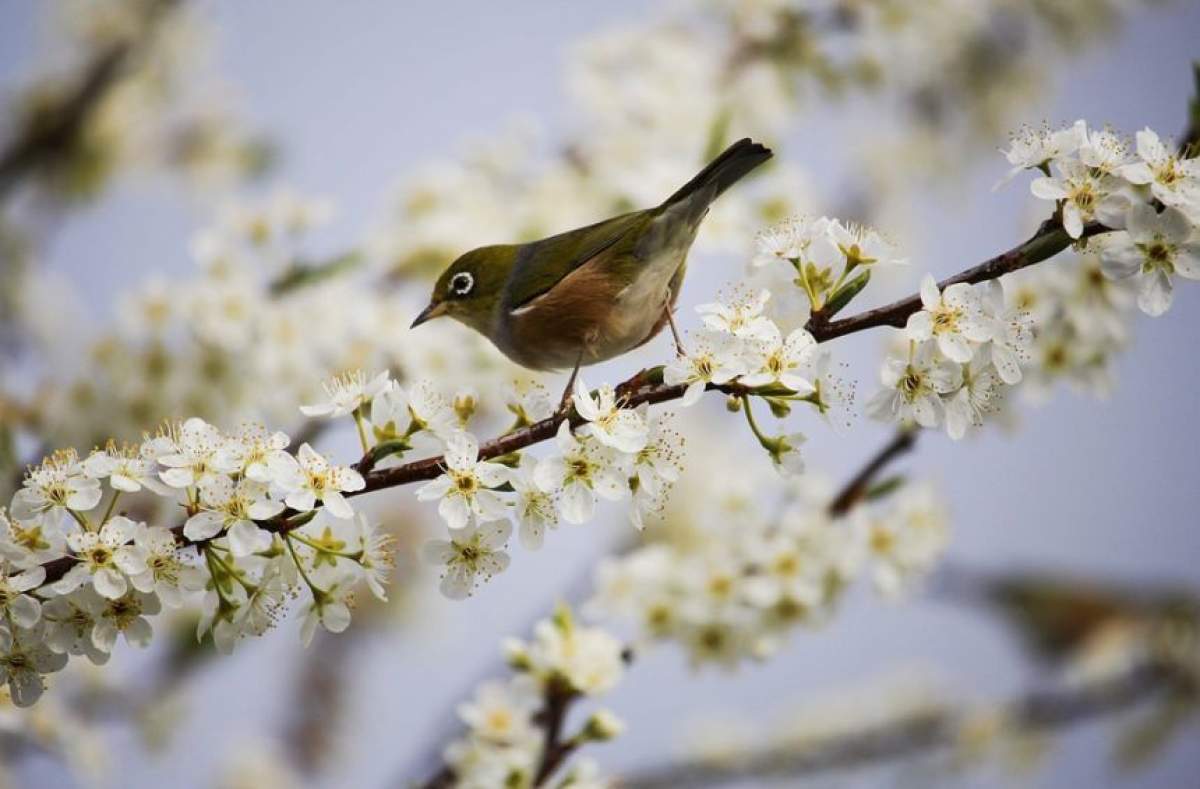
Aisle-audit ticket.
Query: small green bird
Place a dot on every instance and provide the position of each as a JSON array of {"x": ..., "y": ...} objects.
[{"x": 590, "y": 294}]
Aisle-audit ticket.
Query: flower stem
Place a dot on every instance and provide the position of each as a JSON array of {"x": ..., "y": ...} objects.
[
  {"x": 362, "y": 430},
  {"x": 112, "y": 503}
]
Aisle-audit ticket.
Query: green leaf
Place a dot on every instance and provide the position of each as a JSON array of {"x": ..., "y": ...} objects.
[
  {"x": 884, "y": 487},
  {"x": 302, "y": 275},
  {"x": 846, "y": 293}
]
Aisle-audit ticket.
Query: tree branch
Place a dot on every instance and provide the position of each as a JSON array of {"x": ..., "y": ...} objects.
[
  {"x": 46, "y": 137},
  {"x": 646, "y": 387},
  {"x": 1048, "y": 241},
  {"x": 917, "y": 733}
]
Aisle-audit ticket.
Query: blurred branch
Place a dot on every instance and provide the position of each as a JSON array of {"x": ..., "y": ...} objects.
[
  {"x": 1190, "y": 144},
  {"x": 919, "y": 733},
  {"x": 58, "y": 127}
]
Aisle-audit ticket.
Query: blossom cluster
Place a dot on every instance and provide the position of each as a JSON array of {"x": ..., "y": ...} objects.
[
  {"x": 738, "y": 590},
  {"x": 506, "y": 743},
  {"x": 969, "y": 343},
  {"x": 617, "y": 454},
  {"x": 1153, "y": 195},
  {"x": 739, "y": 345},
  {"x": 261, "y": 524},
  {"x": 959, "y": 352}
]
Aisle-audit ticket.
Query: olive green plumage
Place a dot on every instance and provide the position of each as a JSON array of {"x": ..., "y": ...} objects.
[{"x": 592, "y": 293}]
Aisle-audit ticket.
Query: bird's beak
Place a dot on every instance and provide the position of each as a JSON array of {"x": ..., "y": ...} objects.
[{"x": 434, "y": 310}]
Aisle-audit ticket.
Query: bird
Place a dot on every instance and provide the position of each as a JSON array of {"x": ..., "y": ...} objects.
[{"x": 593, "y": 293}]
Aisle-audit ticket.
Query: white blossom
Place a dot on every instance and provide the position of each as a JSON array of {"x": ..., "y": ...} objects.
[
  {"x": 578, "y": 475},
  {"x": 192, "y": 455},
  {"x": 105, "y": 558},
  {"x": 24, "y": 660},
  {"x": 471, "y": 552},
  {"x": 713, "y": 360},
  {"x": 1037, "y": 148},
  {"x": 534, "y": 509},
  {"x": 622, "y": 429},
  {"x": 953, "y": 318},
  {"x": 976, "y": 397},
  {"x": 233, "y": 508},
  {"x": 1086, "y": 196},
  {"x": 59, "y": 483},
  {"x": 311, "y": 478},
  {"x": 1172, "y": 179},
  {"x": 463, "y": 491},
  {"x": 345, "y": 394},
  {"x": 742, "y": 317},
  {"x": 1155, "y": 248},
  {"x": 775, "y": 360},
  {"x": 912, "y": 386}
]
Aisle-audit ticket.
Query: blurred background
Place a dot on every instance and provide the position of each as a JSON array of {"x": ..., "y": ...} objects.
[{"x": 391, "y": 137}]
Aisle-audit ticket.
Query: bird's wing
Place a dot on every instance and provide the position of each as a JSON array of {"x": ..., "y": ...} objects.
[{"x": 543, "y": 264}]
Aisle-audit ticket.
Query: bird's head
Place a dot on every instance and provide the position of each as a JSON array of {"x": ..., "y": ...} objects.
[{"x": 471, "y": 287}]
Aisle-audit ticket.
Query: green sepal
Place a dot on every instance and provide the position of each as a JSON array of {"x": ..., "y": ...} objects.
[
  {"x": 780, "y": 409},
  {"x": 386, "y": 449},
  {"x": 846, "y": 293},
  {"x": 512, "y": 459}
]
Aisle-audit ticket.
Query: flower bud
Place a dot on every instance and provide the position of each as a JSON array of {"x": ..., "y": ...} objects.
[
  {"x": 602, "y": 726},
  {"x": 465, "y": 403}
]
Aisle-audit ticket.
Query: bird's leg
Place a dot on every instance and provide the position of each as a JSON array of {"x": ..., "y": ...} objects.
[
  {"x": 679, "y": 351},
  {"x": 564, "y": 405}
]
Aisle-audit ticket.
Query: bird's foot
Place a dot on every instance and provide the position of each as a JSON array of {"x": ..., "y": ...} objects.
[{"x": 679, "y": 349}]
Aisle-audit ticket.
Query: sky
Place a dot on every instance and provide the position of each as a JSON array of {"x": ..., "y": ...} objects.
[{"x": 360, "y": 96}]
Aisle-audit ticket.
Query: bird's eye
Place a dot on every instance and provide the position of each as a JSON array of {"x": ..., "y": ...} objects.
[{"x": 461, "y": 283}]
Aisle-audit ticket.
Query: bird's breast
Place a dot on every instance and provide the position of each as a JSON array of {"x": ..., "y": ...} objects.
[{"x": 592, "y": 315}]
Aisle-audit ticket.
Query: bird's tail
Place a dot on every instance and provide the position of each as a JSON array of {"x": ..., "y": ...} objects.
[{"x": 721, "y": 173}]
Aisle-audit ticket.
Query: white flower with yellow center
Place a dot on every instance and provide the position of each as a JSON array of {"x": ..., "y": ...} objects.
[
  {"x": 1173, "y": 180},
  {"x": 312, "y": 478},
  {"x": 714, "y": 359},
  {"x": 620, "y": 428},
  {"x": 979, "y": 395},
  {"x": 1155, "y": 248},
  {"x": 1086, "y": 195},
  {"x": 58, "y": 483},
  {"x": 579, "y": 474},
  {"x": 471, "y": 553},
  {"x": 1032, "y": 148},
  {"x": 502, "y": 714},
  {"x": 742, "y": 317},
  {"x": 952, "y": 317},
  {"x": 913, "y": 386},
  {"x": 775, "y": 360},
  {"x": 126, "y": 469},
  {"x": 105, "y": 558},
  {"x": 233, "y": 508},
  {"x": 534, "y": 509},
  {"x": 190, "y": 454},
  {"x": 345, "y": 394},
  {"x": 463, "y": 491},
  {"x": 24, "y": 659}
]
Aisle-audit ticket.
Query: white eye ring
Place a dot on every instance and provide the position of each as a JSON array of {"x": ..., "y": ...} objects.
[{"x": 461, "y": 283}]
